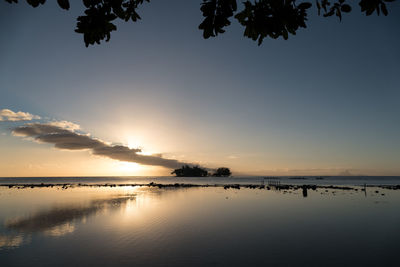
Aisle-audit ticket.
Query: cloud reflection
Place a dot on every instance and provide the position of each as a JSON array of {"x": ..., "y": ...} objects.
[
  {"x": 57, "y": 219},
  {"x": 7, "y": 241},
  {"x": 60, "y": 230},
  {"x": 56, "y": 222}
]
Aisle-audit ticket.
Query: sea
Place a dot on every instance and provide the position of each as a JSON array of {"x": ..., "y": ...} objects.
[
  {"x": 133, "y": 224},
  {"x": 317, "y": 180}
]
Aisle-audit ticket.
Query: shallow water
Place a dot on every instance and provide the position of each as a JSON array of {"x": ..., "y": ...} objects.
[
  {"x": 326, "y": 180},
  {"x": 148, "y": 226}
]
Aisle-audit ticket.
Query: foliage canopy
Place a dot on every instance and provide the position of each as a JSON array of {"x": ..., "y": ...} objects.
[
  {"x": 187, "y": 171},
  {"x": 260, "y": 18},
  {"x": 196, "y": 171},
  {"x": 222, "y": 172}
]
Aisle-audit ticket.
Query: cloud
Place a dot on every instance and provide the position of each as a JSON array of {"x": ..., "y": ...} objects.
[
  {"x": 304, "y": 172},
  {"x": 63, "y": 136},
  {"x": 66, "y": 125},
  {"x": 9, "y": 115}
]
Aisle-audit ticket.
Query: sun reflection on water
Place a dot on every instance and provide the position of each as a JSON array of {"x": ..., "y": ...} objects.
[{"x": 145, "y": 225}]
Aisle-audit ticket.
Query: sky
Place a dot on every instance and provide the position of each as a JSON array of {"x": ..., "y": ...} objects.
[{"x": 324, "y": 102}]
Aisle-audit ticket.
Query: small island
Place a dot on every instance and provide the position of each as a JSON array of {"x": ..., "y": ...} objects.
[{"x": 196, "y": 171}]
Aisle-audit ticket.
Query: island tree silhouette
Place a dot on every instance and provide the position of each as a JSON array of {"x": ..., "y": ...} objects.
[
  {"x": 223, "y": 171},
  {"x": 188, "y": 171},
  {"x": 196, "y": 171}
]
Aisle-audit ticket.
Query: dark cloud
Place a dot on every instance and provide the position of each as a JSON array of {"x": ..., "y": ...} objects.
[
  {"x": 70, "y": 141},
  {"x": 36, "y": 129},
  {"x": 66, "y": 138},
  {"x": 124, "y": 153}
]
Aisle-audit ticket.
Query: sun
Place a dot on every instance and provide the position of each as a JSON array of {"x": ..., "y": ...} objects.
[
  {"x": 137, "y": 142},
  {"x": 128, "y": 168}
]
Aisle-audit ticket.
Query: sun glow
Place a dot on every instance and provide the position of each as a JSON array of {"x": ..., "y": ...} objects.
[
  {"x": 128, "y": 168},
  {"x": 145, "y": 153},
  {"x": 133, "y": 144}
]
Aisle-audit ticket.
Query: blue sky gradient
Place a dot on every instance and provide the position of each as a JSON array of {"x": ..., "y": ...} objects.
[{"x": 323, "y": 102}]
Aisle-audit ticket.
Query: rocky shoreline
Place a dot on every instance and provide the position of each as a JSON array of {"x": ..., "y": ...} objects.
[{"x": 304, "y": 187}]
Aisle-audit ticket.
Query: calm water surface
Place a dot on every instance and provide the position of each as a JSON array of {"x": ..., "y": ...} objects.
[
  {"x": 327, "y": 180},
  {"x": 143, "y": 226}
]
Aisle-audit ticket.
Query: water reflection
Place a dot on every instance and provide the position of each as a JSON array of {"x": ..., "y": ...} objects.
[
  {"x": 305, "y": 191},
  {"x": 213, "y": 226},
  {"x": 11, "y": 241},
  {"x": 58, "y": 221}
]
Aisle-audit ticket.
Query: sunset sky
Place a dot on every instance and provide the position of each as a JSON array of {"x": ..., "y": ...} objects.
[{"x": 324, "y": 102}]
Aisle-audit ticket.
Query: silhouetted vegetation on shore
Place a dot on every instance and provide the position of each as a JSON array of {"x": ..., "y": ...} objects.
[
  {"x": 187, "y": 171},
  {"x": 222, "y": 172},
  {"x": 196, "y": 171}
]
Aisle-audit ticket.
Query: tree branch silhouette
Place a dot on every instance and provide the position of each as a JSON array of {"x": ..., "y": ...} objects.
[{"x": 260, "y": 18}]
